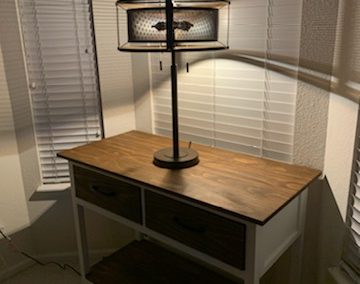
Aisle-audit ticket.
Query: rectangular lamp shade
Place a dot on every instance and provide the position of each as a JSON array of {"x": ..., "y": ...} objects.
[{"x": 142, "y": 25}]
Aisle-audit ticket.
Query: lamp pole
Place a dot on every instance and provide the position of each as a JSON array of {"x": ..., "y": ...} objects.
[
  {"x": 174, "y": 97},
  {"x": 175, "y": 157},
  {"x": 174, "y": 103}
]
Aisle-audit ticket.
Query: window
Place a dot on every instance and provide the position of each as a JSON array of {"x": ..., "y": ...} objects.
[
  {"x": 227, "y": 102},
  {"x": 351, "y": 253},
  {"x": 60, "y": 59}
]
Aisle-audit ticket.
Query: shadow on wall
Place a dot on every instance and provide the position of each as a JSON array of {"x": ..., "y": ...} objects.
[
  {"x": 323, "y": 240},
  {"x": 324, "y": 233},
  {"x": 11, "y": 261},
  {"x": 340, "y": 36},
  {"x": 347, "y": 54},
  {"x": 52, "y": 235},
  {"x": 59, "y": 220}
]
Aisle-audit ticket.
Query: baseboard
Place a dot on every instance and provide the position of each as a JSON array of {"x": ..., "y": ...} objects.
[
  {"x": 338, "y": 276},
  {"x": 73, "y": 256},
  {"x": 65, "y": 257}
]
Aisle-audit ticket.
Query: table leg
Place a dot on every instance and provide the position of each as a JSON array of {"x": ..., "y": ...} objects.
[
  {"x": 251, "y": 279},
  {"x": 81, "y": 239},
  {"x": 139, "y": 236},
  {"x": 80, "y": 231},
  {"x": 298, "y": 246}
]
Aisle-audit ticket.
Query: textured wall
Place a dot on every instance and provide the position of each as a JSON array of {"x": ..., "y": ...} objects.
[
  {"x": 311, "y": 126},
  {"x": 326, "y": 123},
  {"x": 316, "y": 58}
]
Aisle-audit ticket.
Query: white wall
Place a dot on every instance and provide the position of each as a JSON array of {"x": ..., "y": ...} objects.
[
  {"x": 13, "y": 208},
  {"x": 142, "y": 92},
  {"x": 342, "y": 123},
  {"x": 14, "y": 215}
]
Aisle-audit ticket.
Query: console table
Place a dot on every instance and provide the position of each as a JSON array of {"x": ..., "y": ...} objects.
[{"x": 234, "y": 212}]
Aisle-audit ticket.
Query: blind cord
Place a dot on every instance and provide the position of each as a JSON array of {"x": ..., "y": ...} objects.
[{"x": 34, "y": 259}]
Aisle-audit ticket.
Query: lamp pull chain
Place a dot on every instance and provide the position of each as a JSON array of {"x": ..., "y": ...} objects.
[
  {"x": 160, "y": 62},
  {"x": 187, "y": 63}
]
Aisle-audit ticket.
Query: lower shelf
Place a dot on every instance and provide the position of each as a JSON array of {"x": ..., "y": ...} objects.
[{"x": 143, "y": 262}]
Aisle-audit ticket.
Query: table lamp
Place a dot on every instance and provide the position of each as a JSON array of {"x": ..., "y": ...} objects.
[{"x": 173, "y": 26}]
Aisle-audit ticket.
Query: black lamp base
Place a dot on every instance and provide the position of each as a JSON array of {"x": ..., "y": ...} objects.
[{"x": 164, "y": 158}]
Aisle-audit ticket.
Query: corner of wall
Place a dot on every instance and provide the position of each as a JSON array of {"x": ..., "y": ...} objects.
[{"x": 142, "y": 92}]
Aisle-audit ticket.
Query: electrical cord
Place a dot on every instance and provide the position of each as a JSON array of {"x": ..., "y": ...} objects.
[{"x": 62, "y": 266}]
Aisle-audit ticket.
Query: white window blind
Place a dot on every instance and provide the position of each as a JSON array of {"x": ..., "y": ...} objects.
[
  {"x": 351, "y": 253},
  {"x": 234, "y": 104},
  {"x": 61, "y": 66}
]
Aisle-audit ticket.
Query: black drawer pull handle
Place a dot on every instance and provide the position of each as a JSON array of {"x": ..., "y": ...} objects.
[
  {"x": 190, "y": 227},
  {"x": 106, "y": 191}
]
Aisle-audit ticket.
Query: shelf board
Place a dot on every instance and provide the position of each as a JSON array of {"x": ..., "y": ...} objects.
[{"x": 143, "y": 262}]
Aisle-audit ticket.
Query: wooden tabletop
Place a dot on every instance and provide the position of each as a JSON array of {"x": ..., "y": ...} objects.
[{"x": 248, "y": 187}]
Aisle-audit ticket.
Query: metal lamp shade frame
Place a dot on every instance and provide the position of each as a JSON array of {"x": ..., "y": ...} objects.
[{"x": 167, "y": 26}]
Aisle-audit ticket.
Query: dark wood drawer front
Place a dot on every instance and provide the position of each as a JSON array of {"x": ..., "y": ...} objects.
[
  {"x": 211, "y": 234},
  {"x": 109, "y": 193}
]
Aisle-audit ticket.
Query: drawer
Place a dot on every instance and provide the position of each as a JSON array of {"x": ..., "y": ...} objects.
[
  {"x": 206, "y": 232},
  {"x": 109, "y": 193}
]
